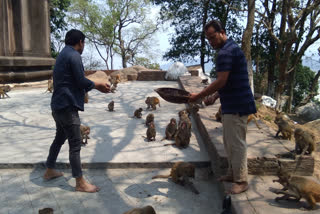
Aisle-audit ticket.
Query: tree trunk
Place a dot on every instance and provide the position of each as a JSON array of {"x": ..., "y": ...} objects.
[
  {"x": 203, "y": 39},
  {"x": 291, "y": 86},
  {"x": 246, "y": 40}
]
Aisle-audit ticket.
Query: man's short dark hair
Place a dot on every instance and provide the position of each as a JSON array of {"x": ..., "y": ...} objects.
[
  {"x": 73, "y": 37},
  {"x": 217, "y": 25}
]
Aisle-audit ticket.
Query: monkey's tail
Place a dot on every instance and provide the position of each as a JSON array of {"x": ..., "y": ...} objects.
[
  {"x": 169, "y": 144},
  {"x": 161, "y": 176}
]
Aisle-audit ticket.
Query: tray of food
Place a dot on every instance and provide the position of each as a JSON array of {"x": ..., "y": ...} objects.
[{"x": 173, "y": 95}]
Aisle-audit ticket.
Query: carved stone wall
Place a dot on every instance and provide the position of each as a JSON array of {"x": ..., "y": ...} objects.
[{"x": 24, "y": 41}]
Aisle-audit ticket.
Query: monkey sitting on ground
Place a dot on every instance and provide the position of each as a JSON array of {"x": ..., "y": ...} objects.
[
  {"x": 137, "y": 113},
  {"x": 305, "y": 142},
  {"x": 152, "y": 102},
  {"x": 180, "y": 174},
  {"x": 149, "y": 119},
  {"x": 182, "y": 136},
  {"x": 50, "y": 85},
  {"x": 205, "y": 81},
  {"x": 86, "y": 97},
  {"x": 46, "y": 211},
  {"x": 115, "y": 79},
  {"x": 171, "y": 130},
  {"x": 283, "y": 126},
  {"x": 113, "y": 87},
  {"x": 85, "y": 131},
  {"x": 298, "y": 187},
  {"x": 4, "y": 90},
  {"x": 143, "y": 210},
  {"x": 111, "y": 106},
  {"x": 151, "y": 132}
]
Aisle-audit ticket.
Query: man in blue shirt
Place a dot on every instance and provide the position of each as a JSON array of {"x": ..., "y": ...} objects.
[
  {"x": 70, "y": 86},
  {"x": 237, "y": 102}
]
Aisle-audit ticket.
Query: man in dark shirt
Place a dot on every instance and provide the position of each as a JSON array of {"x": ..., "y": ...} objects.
[
  {"x": 70, "y": 86},
  {"x": 237, "y": 102}
]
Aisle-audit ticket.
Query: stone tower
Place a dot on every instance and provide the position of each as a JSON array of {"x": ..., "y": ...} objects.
[{"x": 24, "y": 41}]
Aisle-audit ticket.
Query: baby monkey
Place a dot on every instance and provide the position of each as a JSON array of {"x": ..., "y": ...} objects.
[
  {"x": 137, "y": 113},
  {"x": 85, "y": 131},
  {"x": 144, "y": 210},
  {"x": 180, "y": 174},
  {"x": 111, "y": 106},
  {"x": 171, "y": 130}
]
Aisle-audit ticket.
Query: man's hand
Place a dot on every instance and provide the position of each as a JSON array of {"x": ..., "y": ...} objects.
[
  {"x": 193, "y": 97},
  {"x": 102, "y": 87}
]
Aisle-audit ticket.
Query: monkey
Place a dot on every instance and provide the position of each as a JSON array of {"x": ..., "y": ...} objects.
[
  {"x": 283, "y": 127},
  {"x": 171, "y": 130},
  {"x": 305, "y": 142},
  {"x": 86, "y": 97},
  {"x": 205, "y": 81},
  {"x": 50, "y": 85},
  {"x": 184, "y": 115},
  {"x": 149, "y": 118},
  {"x": 115, "y": 80},
  {"x": 144, "y": 210},
  {"x": 85, "y": 131},
  {"x": 4, "y": 90},
  {"x": 152, "y": 102},
  {"x": 218, "y": 115},
  {"x": 182, "y": 136},
  {"x": 114, "y": 87},
  {"x": 298, "y": 187},
  {"x": 46, "y": 211},
  {"x": 180, "y": 174},
  {"x": 111, "y": 106},
  {"x": 137, "y": 113},
  {"x": 151, "y": 132}
]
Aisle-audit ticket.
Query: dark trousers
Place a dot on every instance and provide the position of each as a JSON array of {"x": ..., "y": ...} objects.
[{"x": 67, "y": 127}]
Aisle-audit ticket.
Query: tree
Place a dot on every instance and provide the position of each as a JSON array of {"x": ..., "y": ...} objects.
[
  {"x": 119, "y": 26},
  {"x": 58, "y": 9},
  {"x": 298, "y": 29},
  {"x": 188, "y": 19}
]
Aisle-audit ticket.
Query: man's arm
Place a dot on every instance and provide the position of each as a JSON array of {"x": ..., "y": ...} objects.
[
  {"x": 102, "y": 87},
  {"x": 220, "y": 82}
]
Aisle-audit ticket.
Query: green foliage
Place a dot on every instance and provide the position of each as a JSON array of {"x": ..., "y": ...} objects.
[
  {"x": 304, "y": 77},
  {"x": 58, "y": 9},
  {"x": 116, "y": 27},
  {"x": 146, "y": 63},
  {"x": 187, "y": 18}
]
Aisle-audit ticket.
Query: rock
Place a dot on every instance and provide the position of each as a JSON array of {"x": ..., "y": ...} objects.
[
  {"x": 268, "y": 101},
  {"x": 309, "y": 112}
]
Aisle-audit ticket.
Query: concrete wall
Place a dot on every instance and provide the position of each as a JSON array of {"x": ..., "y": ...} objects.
[{"x": 24, "y": 41}]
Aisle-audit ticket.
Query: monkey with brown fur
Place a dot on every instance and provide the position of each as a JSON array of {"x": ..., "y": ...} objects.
[
  {"x": 182, "y": 136},
  {"x": 86, "y": 97},
  {"x": 4, "y": 90},
  {"x": 143, "y": 210},
  {"x": 298, "y": 187},
  {"x": 137, "y": 113},
  {"x": 151, "y": 132},
  {"x": 283, "y": 126},
  {"x": 111, "y": 106},
  {"x": 50, "y": 85},
  {"x": 171, "y": 130},
  {"x": 85, "y": 131},
  {"x": 152, "y": 102},
  {"x": 180, "y": 174},
  {"x": 149, "y": 119},
  {"x": 305, "y": 142}
]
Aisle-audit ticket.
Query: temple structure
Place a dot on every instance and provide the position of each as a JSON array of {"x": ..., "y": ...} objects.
[{"x": 24, "y": 41}]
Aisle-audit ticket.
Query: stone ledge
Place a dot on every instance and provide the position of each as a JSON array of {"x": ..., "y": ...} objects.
[{"x": 17, "y": 61}]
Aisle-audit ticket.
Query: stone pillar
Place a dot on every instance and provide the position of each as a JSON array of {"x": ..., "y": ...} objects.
[{"x": 24, "y": 41}]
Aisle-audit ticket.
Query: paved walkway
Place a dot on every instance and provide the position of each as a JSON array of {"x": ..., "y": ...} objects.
[{"x": 126, "y": 161}]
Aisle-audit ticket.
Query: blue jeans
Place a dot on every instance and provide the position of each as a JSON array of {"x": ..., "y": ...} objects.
[{"x": 67, "y": 127}]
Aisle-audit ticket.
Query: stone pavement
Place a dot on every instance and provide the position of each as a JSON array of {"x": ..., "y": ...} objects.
[{"x": 125, "y": 161}]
